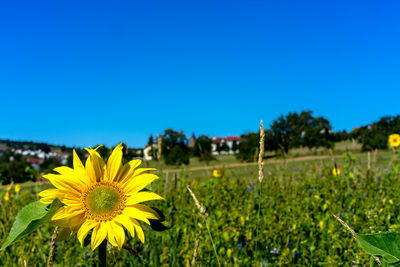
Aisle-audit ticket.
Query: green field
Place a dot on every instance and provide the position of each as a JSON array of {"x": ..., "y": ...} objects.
[{"x": 287, "y": 220}]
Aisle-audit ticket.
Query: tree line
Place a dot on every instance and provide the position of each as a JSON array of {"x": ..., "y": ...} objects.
[{"x": 287, "y": 132}]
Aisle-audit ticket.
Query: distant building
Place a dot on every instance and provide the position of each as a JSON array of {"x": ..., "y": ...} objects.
[
  {"x": 192, "y": 140},
  {"x": 35, "y": 162},
  {"x": 229, "y": 140}
]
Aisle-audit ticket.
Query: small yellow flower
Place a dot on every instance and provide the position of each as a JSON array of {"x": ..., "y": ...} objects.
[
  {"x": 8, "y": 187},
  {"x": 391, "y": 201},
  {"x": 321, "y": 225},
  {"x": 336, "y": 171},
  {"x": 394, "y": 140},
  {"x": 216, "y": 173},
  {"x": 6, "y": 196},
  {"x": 17, "y": 188},
  {"x": 102, "y": 197}
]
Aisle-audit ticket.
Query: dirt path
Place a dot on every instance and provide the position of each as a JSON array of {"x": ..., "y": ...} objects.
[
  {"x": 218, "y": 166},
  {"x": 244, "y": 164}
]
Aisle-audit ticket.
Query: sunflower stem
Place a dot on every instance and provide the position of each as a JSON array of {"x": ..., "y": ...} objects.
[{"x": 103, "y": 254}]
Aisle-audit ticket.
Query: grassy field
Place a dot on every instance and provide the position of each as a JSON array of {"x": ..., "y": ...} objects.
[{"x": 286, "y": 220}]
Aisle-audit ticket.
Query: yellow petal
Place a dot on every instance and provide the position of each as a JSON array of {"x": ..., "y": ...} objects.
[
  {"x": 139, "y": 230},
  {"x": 66, "y": 212},
  {"x": 142, "y": 197},
  {"x": 139, "y": 182},
  {"x": 111, "y": 235},
  {"x": 48, "y": 195},
  {"x": 94, "y": 166},
  {"x": 141, "y": 170},
  {"x": 131, "y": 166},
  {"x": 114, "y": 162},
  {"x": 64, "y": 183},
  {"x": 85, "y": 229},
  {"x": 123, "y": 172},
  {"x": 75, "y": 177},
  {"x": 98, "y": 235},
  {"x": 119, "y": 234},
  {"x": 126, "y": 222},
  {"x": 141, "y": 212},
  {"x": 78, "y": 166},
  {"x": 71, "y": 222}
]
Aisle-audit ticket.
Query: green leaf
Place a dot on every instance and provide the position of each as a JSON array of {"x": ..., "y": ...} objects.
[
  {"x": 30, "y": 218},
  {"x": 385, "y": 245}
]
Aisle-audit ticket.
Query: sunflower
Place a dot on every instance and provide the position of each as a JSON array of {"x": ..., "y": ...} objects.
[
  {"x": 102, "y": 198},
  {"x": 336, "y": 171},
  {"x": 394, "y": 140},
  {"x": 216, "y": 173}
]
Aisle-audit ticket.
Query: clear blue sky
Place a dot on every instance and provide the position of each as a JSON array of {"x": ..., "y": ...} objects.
[{"x": 84, "y": 73}]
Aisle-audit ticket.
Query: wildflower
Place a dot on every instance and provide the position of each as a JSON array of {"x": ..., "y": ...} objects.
[
  {"x": 391, "y": 201},
  {"x": 336, "y": 171},
  {"x": 17, "y": 188},
  {"x": 296, "y": 170},
  {"x": 216, "y": 173},
  {"x": 172, "y": 211},
  {"x": 290, "y": 243},
  {"x": 394, "y": 140},
  {"x": 8, "y": 187},
  {"x": 102, "y": 197},
  {"x": 251, "y": 188},
  {"x": 6, "y": 196},
  {"x": 239, "y": 245},
  {"x": 88, "y": 256},
  {"x": 296, "y": 253},
  {"x": 274, "y": 251},
  {"x": 312, "y": 190},
  {"x": 321, "y": 225}
]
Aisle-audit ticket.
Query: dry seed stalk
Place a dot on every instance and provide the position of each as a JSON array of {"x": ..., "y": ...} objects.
[
  {"x": 198, "y": 204},
  {"x": 53, "y": 238},
  {"x": 159, "y": 144},
  {"x": 203, "y": 212},
  {"x": 354, "y": 235},
  {"x": 196, "y": 247},
  {"x": 261, "y": 155}
]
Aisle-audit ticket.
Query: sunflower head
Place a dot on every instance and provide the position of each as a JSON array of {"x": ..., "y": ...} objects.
[
  {"x": 216, "y": 173},
  {"x": 394, "y": 140},
  {"x": 336, "y": 171},
  {"x": 102, "y": 198}
]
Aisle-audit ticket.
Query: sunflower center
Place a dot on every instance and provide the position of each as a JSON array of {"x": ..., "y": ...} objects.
[{"x": 103, "y": 201}]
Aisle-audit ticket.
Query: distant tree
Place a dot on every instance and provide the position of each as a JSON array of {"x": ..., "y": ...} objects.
[
  {"x": 296, "y": 130},
  {"x": 375, "y": 135},
  {"x": 281, "y": 133},
  {"x": 341, "y": 136},
  {"x": 170, "y": 140},
  {"x": 218, "y": 147},
  {"x": 234, "y": 146},
  {"x": 248, "y": 146},
  {"x": 14, "y": 167},
  {"x": 224, "y": 147},
  {"x": 104, "y": 151},
  {"x": 151, "y": 140},
  {"x": 203, "y": 148},
  {"x": 49, "y": 164}
]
